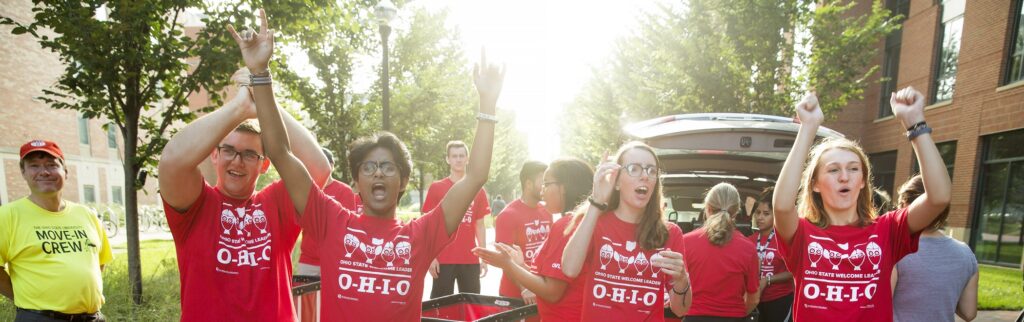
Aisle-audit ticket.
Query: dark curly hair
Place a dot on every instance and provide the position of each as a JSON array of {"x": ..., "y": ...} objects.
[{"x": 387, "y": 141}]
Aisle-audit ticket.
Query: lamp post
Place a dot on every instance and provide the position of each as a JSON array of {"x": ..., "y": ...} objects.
[{"x": 385, "y": 12}]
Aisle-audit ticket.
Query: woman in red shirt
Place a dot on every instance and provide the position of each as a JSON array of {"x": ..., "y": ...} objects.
[
  {"x": 722, "y": 263},
  {"x": 840, "y": 252},
  {"x": 624, "y": 249},
  {"x": 776, "y": 281},
  {"x": 567, "y": 183}
]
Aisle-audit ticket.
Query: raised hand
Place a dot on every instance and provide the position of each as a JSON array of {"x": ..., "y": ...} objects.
[
  {"x": 605, "y": 176},
  {"x": 257, "y": 47},
  {"x": 243, "y": 96},
  {"x": 908, "y": 106},
  {"x": 808, "y": 111},
  {"x": 488, "y": 79}
]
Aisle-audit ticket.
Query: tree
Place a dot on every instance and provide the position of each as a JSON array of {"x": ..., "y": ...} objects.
[
  {"x": 510, "y": 152},
  {"x": 708, "y": 56},
  {"x": 432, "y": 96},
  {"x": 595, "y": 121},
  {"x": 130, "y": 68},
  {"x": 330, "y": 37}
]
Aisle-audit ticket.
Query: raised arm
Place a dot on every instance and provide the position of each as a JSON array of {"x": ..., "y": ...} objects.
[
  {"x": 488, "y": 79},
  {"x": 257, "y": 48},
  {"x": 180, "y": 179},
  {"x": 908, "y": 107},
  {"x": 575, "y": 252},
  {"x": 809, "y": 115}
]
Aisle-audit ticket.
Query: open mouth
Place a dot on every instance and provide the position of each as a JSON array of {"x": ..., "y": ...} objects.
[
  {"x": 234, "y": 173},
  {"x": 378, "y": 191},
  {"x": 641, "y": 190},
  {"x": 844, "y": 190}
]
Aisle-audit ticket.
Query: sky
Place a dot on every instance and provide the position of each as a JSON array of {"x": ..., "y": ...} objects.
[{"x": 548, "y": 48}]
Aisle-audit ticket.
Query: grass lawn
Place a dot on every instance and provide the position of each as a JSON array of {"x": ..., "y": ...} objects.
[
  {"x": 1000, "y": 288},
  {"x": 1009, "y": 253},
  {"x": 159, "y": 286}
]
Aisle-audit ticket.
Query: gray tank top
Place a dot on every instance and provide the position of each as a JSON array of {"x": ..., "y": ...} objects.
[{"x": 930, "y": 280}]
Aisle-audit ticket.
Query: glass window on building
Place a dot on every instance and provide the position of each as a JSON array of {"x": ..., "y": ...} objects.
[
  {"x": 891, "y": 63},
  {"x": 83, "y": 129},
  {"x": 951, "y": 27},
  {"x": 883, "y": 169},
  {"x": 999, "y": 234},
  {"x": 88, "y": 193},
  {"x": 117, "y": 195},
  {"x": 948, "y": 152},
  {"x": 112, "y": 136},
  {"x": 1015, "y": 63}
]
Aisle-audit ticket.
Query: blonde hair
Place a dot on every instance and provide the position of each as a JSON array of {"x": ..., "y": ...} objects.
[
  {"x": 810, "y": 205},
  {"x": 651, "y": 232},
  {"x": 720, "y": 204}
]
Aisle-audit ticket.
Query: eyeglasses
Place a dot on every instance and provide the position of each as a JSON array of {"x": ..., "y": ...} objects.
[
  {"x": 548, "y": 183},
  {"x": 229, "y": 153},
  {"x": 388, "y": 168},
  {"x": 634, "y": 170}
]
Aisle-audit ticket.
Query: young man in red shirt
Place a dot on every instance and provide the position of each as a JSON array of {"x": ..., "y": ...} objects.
[
  {"x": 233, "y": 243},
  {"x": 375, "y": 267},
  {"x": 457, "y": 262},
  {"x": 309, "y": 256},
  {"x": 524, "y": 223}
]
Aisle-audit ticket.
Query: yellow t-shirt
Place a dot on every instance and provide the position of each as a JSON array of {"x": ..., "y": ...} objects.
[{"x": 54, "y": 258}]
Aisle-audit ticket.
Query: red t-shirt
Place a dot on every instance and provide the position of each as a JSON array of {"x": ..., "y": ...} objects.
[
  {"x": 842, "y": 273},
  {"x": 234, "y": 255},
  {"x": 526, "y": 227},
  {"x": 460, "y": 250},
  {"x": 373, "y": 269},
  {"x": 771, "y": 264},
  {"x": 549, "y": 264},
  {"x": 719, "y": 276},
  {"x": 341, "y": 192},
  {"x": 358, "y": 207},
  {"x": 622, "y": 285}
]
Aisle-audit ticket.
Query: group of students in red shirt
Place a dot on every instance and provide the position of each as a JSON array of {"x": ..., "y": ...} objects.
[
  {"x": 838, "y": 248},
  {"x": 822, "y": 253},
  {"x": 611, "y": 255}
]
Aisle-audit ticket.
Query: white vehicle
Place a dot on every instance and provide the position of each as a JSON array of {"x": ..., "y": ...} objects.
[{"x": 699, "y": 150}]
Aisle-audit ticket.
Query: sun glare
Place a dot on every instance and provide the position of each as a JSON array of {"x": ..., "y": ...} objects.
[{"x": 548, "y": 48}]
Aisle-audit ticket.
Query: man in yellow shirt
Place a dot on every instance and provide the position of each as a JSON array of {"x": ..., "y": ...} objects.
[{"x": 52, "y": 251}]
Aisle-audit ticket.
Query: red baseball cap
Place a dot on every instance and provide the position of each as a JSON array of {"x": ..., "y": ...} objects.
[{"x": 42, "y": 145}]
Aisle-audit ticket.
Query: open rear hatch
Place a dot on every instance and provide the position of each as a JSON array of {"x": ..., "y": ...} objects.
[{"x": 698, "y": 151}]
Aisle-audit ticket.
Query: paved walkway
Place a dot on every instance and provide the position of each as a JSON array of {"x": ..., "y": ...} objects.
[{"x": 995, "y": 316}]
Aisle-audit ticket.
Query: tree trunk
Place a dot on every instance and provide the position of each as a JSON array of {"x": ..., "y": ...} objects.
[
  {"x": 131, "y": 172},
  {"x": 420, "y": 186}
]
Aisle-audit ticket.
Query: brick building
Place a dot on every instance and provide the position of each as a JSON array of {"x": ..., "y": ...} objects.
[
  {"x": 93, "y": 154},
  {"x": 967, "y": 57}
]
